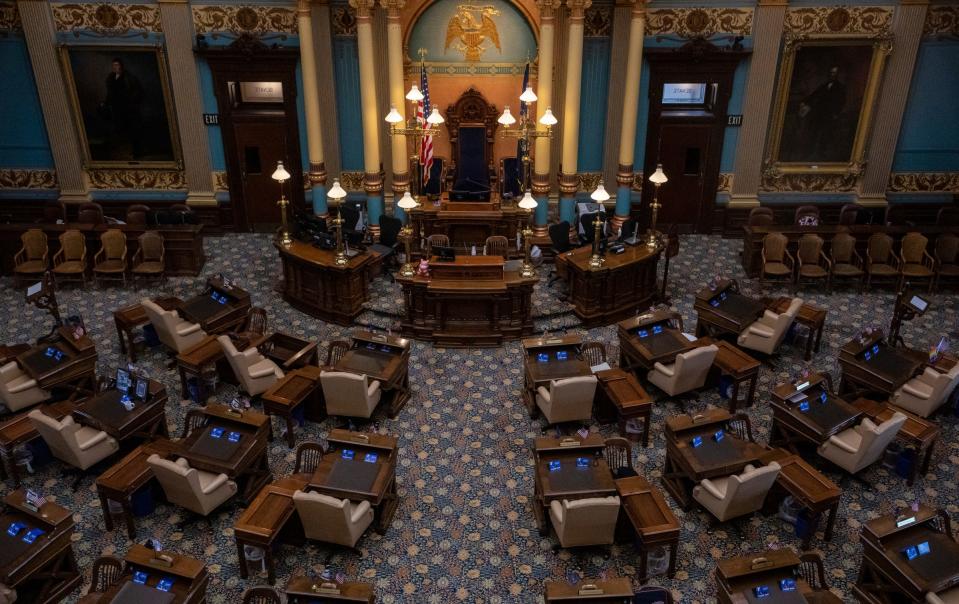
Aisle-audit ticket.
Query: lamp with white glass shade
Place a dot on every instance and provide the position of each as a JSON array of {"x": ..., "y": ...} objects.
[
  {"x": 414, "y": 95},
  {"x": 407, "y": 203},
  {"x": 415, "y": 129},
  {"x": 600, "y": 195},
  {"x": 529, "y": 204},
  {"x": 548, "y": 119},
  {"x": 338, "y": 194},
  {"x": 506, "y": 119},
  {"x": 280, "y": 175},
  {"x": 658, "y": 178}
]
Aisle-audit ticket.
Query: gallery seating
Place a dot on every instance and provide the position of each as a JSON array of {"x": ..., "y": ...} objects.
[
  {"x": 687, "y": 373},
  {"x": 18, "y": 390},
  {"x": 761, "y": 216},
  {"x": 567, "y": 400},
  {"x": 916, "y": 263},
  {"x": 813, "y": 265},
  {"x": 778, "y": 263},
  {"x": 255, "y": 372},
  {"x": 110, "y": 262},
  {"x": 196, "y": 490},
  {"x": 79, "y": 446},
  {"x": 31, "y": 261},
  {"x": 845, "y": 261},
  {"x": 70, "y": 261},
  {"x": 767, "y": 333},
  {"x": 861, "y": 446},
  {"x": 585, "y": 522},
  {"x": 90, "y": 213},
  {"x": 737, "y": 495},
  {"x": 881, "y": 260},
  {"x": 175, "y": 333},
  {"x": 332, "y": 520},
  {"x": 148, "y": 261},
  {"x": 806, "y": 216},
  {"x": 947, "y": 259},
  {"x": 925, "y": 393},
  {"x": 349, "y": 394}
]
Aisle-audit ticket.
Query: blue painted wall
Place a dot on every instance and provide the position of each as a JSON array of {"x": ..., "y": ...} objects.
[
  {"x": 346, "y": 70},
  {"x": 593, "y": 104},
  {"x": 217, "y": 158},
  {"x": 23, "y": 134},
  {"x": 731, "y": 136}
]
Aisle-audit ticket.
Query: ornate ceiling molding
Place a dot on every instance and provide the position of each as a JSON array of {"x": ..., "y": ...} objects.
[
  {"x": 699, "y": 22},
  {"x": 352, "y": 181},
  {"x": 107, "y": 19},
  {"x": 808, "y": 183},
  {"x": 244, "y": 19},
  {"x": 924, "y": 182},
  {"x": 220, "y": 181},
  {"x": 9, "y": 16},
  {"x": 838, "y": 20},
  {"x": 588, "y": 181},
  {"x": 136, "y": 179},
  {"x": 942, "y": 20},
  {"x": 17, "y": 178}
]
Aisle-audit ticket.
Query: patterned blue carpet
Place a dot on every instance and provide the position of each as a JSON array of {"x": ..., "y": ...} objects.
[{"x": 464, "y": 530}]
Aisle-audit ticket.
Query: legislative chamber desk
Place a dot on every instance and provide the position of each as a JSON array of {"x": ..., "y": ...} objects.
[
  {"x": 472, "y": 301},
  {"x": 382, "y": 357},
  {"x": 304, "y": 590},
  {"x": 44, "y": 571},
  {"x": 550, "y": 358},
  {"x": 188, "y": 576},
  {"x": 888, "y": 575},
  {"x": 105, "y": 412},
  {"x": 737, "y": 578},
  {"x": 569, "y": 480},
  {"x": 650, "y": 338},
  {"x": 315, "y": 284},
  {"x": 724, "y": 311},
  {"x": 467, "y": 223},
  {"x": 625, "y": 284},
  {"x": 268, "y": 521},
  {"x": 875, "y": 366},
  {"x": 652, "y": 520},
  {"x": 68, "y": 362},
  {"x": 218, "y": 308},
  {"x": 617, "y": 590},
  {"x": 809, "y": 412}
]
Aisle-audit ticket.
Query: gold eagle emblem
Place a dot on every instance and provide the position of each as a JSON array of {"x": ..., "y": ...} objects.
[{"x": 470, "y": 35}]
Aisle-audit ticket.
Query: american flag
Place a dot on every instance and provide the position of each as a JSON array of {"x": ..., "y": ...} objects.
[
  {"x": 35, "y": 499},
  {"x": 521, "y": 150},
  {"x": 422, "y": 112}
]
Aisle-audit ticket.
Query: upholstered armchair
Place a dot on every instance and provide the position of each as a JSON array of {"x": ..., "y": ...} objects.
[
  {"x": 737, "y": 495},
  {"x": 767, "y": 333},
  {"x": 845, "y": 261},
  {"x": 778, "y": 263},
  {"x": 70, "y": 261},
  {"x": 585, "y": 522},
  {"x": 110, "y": 262},
  {"x": 917, "y": 264},
  {"x": 255, "y": 372},
  {"x": 79, "y": 446},
  {"x": 567, "y": 400},
  {"x": 859, "y": 447},
  {"x": 18, "y": 390},
  {"x": 175, "y": 333},
  {"x": 198, "y": 491},
  {"x": 688, "y": 372},
  {"x": 349, "y": 394},
  {"x": 925, "y": 393},
  {"x": 881, "y": 260},
  {"x": 950, "y": 596},
  {"x": 7, "y": 595},
  {"x": 31, "y": 261},
  {"x": 332, "y": 520}
]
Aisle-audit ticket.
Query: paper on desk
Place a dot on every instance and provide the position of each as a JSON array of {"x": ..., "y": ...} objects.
[
  {"x": 601, "y": 367},
  {"x": 690, "y": 337}
]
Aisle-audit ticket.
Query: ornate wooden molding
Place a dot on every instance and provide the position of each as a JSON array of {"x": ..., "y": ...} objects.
[
  {"x": 107, "y": 19},
  {"x": 637, "y": 181},
  {"x": 220, "y": 181},
  {"x": 343, "y": 21},
  {"x": 588, "y": 181},
  {"x": 838, "y": 19},
  {"x": 942, "y": 21},
  {"x": 598, "y": 22},
  {"x": 352, "y": 181},
  {"x": 244, "y": 19},
  {"x": 9, "y": 16},
  {"x": 924, "y": 182},
  {"x": 725, "y": 183},
  {"x": 699, "y": 22},
  {"x": 136, "y": 179},
  {"x": 19, "y": 178},
  {"x": 808, "y": 183}
]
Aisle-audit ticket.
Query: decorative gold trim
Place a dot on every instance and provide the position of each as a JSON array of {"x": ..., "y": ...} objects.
[
  {"x": 136, "y": 179},
  {"x": 699, "y": 22},
  {"x": 588, "y": 181},
  {"x": 637, "y": 181},
  {"x": 808, "y": 183},
  {"x": 343, "y": 21},
  {"x": 924, "y": 182},
  {"x": 470, "y": 69},
  {"x": 244, "y": 19},
  {"x": 598, "y": 22},
  {"x": 942, "y": 21},
  {"x": 220, "y": 181},
  {"x": 107, "y": 19},
  {"x": 725, "y": 183},
  {"x": 20, "y": 178},
  {"x": 352, "y": 181},
  {"x": 838, "y": 19},
  {"x": 10, "y": 17}
]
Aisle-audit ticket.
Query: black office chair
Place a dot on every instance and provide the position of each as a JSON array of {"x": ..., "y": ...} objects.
[
  {"x": 628, "y": 229},
  {"x": 559, "y": 238},
  {"x": 389, "y": 239},
  {"x": 587, "y": 220}
]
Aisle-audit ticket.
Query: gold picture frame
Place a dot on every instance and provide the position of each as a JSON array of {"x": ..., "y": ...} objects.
[
  {"x": 145, "y": 135},
  {"x": 797, "y": 144}
]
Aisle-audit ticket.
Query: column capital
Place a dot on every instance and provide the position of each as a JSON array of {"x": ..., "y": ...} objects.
[
  {"x": 547, "y": 9},
  {"x": 639, "y": 9},
  {"x": 393, "y": 7},
  {"x": 303, "y": 7},
  {"x": 364, "y": 8},
  {"x": 577, "y": 8}
]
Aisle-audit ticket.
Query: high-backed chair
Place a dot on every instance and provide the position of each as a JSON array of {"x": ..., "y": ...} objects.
[
  {"x": 198, "y": 491},
  {"x": 861, "y": 446},
  {"x": 309, "y": 454},
  {"x": 777, "y": 261},
  {"x": 148, "y": 261},
  {"x": 917, "y": 264},
  {"x": 18, "y": 390},
  {"x": 390, "y": 228},
  {"x": 350, "y": 395},
  {"x": 90, "y": 213},
  {"x": 32, "y": 259},
  {"x": 585, "y": 522},
  {"x": 106, "y": 573},
  {"x": 761, "y": 217},
  {"x": 496, "y": 245},
  {"x": 76, "y": 445},
  {"x": 332, "y": 520},
  {"x": 8, "y": 595},
  {"x": 849, "y": 214},
  {"x": 559, "y": 241},
  {"x": 255, "y": 372},
  {"x": 814, "y": 266},
  {"x": 806, "y": 216},
  {"x": 925, "y": 393},
  {"x": 949, "y": 596},
  {"x": 947, "y": 258},
  {"x": 594, "y": 353},
  {"x": 618, "y": 452},
  {"x": 137, "y": 214},
  {"x": 768, "y": 332},
  {"x": 567, "y": 400},
  {"x": 54, "y": 211},
  {"x": 845, "y": 261},
  {"x": 435, "y": 241},
  {"x": 110, "y": 262},
  {"x": 335, "y": 351},
  {"x": 881, "y": 260},
  {"x": 688, "y": 372},
  {"x": 261, "y": 594},
  {"x": 175, "y": 333},
  {"x": 70, "y": 261},
  {"x": 737, "y": 495}
]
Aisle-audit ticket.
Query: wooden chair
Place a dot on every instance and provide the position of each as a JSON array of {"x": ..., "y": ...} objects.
[
  {"x": 814, "y": 266},
  {"x": 148, "y": 261},
  {"x": 761, "y": 217},
  {"x": 336, "y": 351},
  {"x": 777, "y": 261},
  {"x": 111, "y": 261},
  {"x": 309, "y": 454},
  {"x": 740, "y": 425},
  {"x": 435, "y": 241},
  {"x": 256, "y": 323},
  {"x": 806, "y": 216},
  {"x": 54, "y": 211},
  {"x": 70, "y": 261},
  {"x": 496, "y": 245},
  {"x": 261, "y": 595},
  {"x": 916, "y": 263},
  {"x": 137, "y": 214},
  {"x": 107, "y": 570},
  {"x": 194, "y": 420},
  {"x": 90, "y": 213},
  {"x": 849, "y": 214},
  {"x": 619, "y": 456},
  {"x": 32, "y": 259},
  {"x": 947, "y": 258},
  {"x": 845, "y": 261},
  {"x": 594, "y": 353},
  {"x": 881, "y": 260}
]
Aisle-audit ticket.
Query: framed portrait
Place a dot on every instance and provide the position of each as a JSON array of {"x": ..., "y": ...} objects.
[
  {"x": 123, "y": 108},
  {"x": 824, "y": 103}
]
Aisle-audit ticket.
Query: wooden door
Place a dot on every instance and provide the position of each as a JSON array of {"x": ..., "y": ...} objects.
[
  {"x": 684, "y": 152},
  {"x": 259, "y": 144}
]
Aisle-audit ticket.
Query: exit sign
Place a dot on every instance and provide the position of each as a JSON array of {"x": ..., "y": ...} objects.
[
  {"x": 734, "y": 120},
  {"x": 211, "y": 119}
]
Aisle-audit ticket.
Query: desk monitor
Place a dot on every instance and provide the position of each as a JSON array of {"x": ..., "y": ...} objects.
[
  {"x": 32, "y": 535},
  {"x": 140, "y": 577},
  {"x": 123, "y": 380},
  {"x": 923, "y": 548},
  {"x": 445, "y": 253},
  {"x": 370, "y": 457},
  {"x": 542, "y": 357},
  {"x": 787, "y": 585},
  {"x": 142, "y": 388},
  {"x": 348, "y": 454},
  {"x": 34, "y": 289},
  {"x": 918, "y": 304},
  {"x": 53, "y": 353},
  {"x": 165, "y": 584},
  {"x": 562, "y": 355}
]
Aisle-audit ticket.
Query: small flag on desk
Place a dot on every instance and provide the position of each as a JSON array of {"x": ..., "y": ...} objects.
[
  {"x": 340, "y": 578},
  {"x": 583, "y": 433},
  {"x": 35, "y": 499}
]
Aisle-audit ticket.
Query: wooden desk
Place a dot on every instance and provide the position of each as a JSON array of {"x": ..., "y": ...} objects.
[
  {"x": 467, "y": 311},
  {"x": 618, "y": 590},
  {"x": 45, "y": 571},
  {"x": 104, "y": 411},
  {"x": 128, "y": 318},
  {"x": 821, "y": 419},
  {"x": 736, "y": 577},
  {"x": 885, "y": 370},
  {"x": 267, "y": 520},
  {"x": 625, "y": 284},
  {"x": 283, "y": 397},
  {"x": 917, "y": 433},
  {"x": 19, "y": 430},
  {"x": 385, "y": 358},
  {"x": 811, "y": 317},
  {"x": 652, "y": 521},
  {"x": 887, "y": 575},
  {"x": 809, "y": 487},
  {"x": 203, "y": 358},
  {"x": 10, "y": 353},
  {"x": 189, "y": 576},
  {"x": 650, "y": 338},
  {"x": 724, "y": 311},
  {"x": 227, "y": 312},
  {"x": 76, "y": 367},
  {"x": 620, "y": 397},
  {"x": 247, "y": 463},
  {"x": 741, "y": 368},
  {"x": 303, "y": 590},
  {"x": 121, "y": 481},
  {"x": 686, "y": 466},
  {"x": 570, "y": 481},
  {"x": 547, "y": 359},
  {"x": 467, "y": 224},
  {"x": 288, "y": 352},
  {"x": 333, "y": 476}
]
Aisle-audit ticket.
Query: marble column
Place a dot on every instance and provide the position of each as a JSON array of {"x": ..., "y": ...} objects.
[
  {"x": 311, "y": 105},
  {"x": 373, "y": 177},
  {"x": 907, "y": 27},
  {"x": 760, "y": 87},
  {"x": 568, "y": 180},
  {"x": 627, "y": 135},
  {"x": 177, "y": 20},
  {"x": 41, "y": 37},
  {"x": 544, "y": 94},
  {"x": 394, "y": 41}
]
